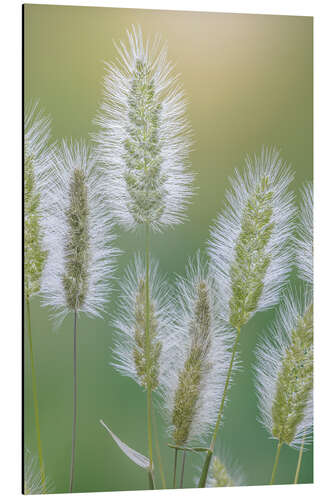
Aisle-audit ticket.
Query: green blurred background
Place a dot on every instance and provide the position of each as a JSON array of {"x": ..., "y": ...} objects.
[{"x": 248, "y": 79}]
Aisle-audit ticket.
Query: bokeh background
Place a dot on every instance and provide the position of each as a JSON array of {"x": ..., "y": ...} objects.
[{"x": 248, "y": 80}]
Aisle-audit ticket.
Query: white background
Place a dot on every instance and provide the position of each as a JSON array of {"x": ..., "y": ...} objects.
[{"x": 10, "y": 244}]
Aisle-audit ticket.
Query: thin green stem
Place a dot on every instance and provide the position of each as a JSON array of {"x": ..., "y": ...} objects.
[
  {"x": 186, "y": 448},
  {"x": 35, "y": 399},
  {"x": 158, "y": 451},
  {"x": 147, "y": 345},
  {"x": 299, "y": 462},
  {"x": 151, "y": 482},
  {"x": 175, "y": 469},
  {"x": 74, "y": 402},
  {"x": 205, "y": 469},
  {"x": 183, "y": 469},
  {"x": 276, "y": 461}
]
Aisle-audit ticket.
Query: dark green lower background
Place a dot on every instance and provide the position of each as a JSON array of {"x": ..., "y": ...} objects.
[{"x": 248, "y": 79}]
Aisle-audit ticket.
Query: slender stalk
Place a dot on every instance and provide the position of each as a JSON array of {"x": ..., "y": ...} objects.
[
  {"x": 204, "y": 473},
  {"x": 186, "y": 448},
  {"x": 149, "y": 426},
  {"x": 35, "y": 399},
  {"x": 151, "y": 482},
  {"x": 299, "y": 462},
  {"x": 276, "y": 462},
  {"x": 158, "y": 452},
  {"x": 74, "y": 402},
  {"x": 175, "y": 469},
  {"x": 183, "y": 469}
]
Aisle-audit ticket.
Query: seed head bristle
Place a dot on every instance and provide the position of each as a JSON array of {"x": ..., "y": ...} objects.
[
  {"x": 75, "y": 278},
  {"x": 194, "y": 375},
  {"x": 196, "y": 364},
  {"x": 219, "y": 476},
  {"x": 285, "y": 372},
  {"x": 147, "y": 371},
  {"x": 144, "y": 178},
  {"x": 144, "y": 137},
  {"x": 34, "y": 256},
  {"x": 248, "y": 244},
  {"x": 304, "y": 240},
  {"x": 78, "y": 234},
  {"x": 37, "y": 162},
  {"x": 223, "y": 472},
  {"x": 248, "y": 271},
  {"x": 132, "y": 357},
  {"x": 32, "y": 482},
  {"x": 295, "y": 380}
]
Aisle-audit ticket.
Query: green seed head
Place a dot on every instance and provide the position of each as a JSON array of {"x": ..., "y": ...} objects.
[
  {"x": 32, "y": 481},
  {"x": 250, "y": 244},
  {"x": 144, "y": 137},
  {"x": 251, "y": 257},
  {"x": 144, "y": 179},
  {"x": 75, "y": 278},
  {"x": 146, "y": 356},
  {"x": 219, "y": 475},
  {"x": 34, "y": 256},
  {"x": 190, "y": 377},
  {"x": 38, "y": 153},
  {"x": 295, "y": 381}
]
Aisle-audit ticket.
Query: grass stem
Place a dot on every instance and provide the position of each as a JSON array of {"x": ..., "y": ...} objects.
[
  {"x": 183, "y": 469},
  {"x": 175, "y": 469},
  {"x": 204, "y": 473},
  {"x": 276, "y": 461},
  {"x": 35, "y": 399},
  {"x": 158, "y": 451},
  {"x": 147, "y": 345},
  {"x": 299, "y": 462},
  {"x": 74, "y": 402}
]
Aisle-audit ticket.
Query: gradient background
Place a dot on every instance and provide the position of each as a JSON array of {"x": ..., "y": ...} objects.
[{"x": 248, "y": 79}]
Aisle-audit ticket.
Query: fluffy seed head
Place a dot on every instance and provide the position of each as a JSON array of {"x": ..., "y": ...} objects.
[
  {"x": 219, "y": 476},
  {"x": 144, "y": 137},
  {"x": 78, "y": 238},
  {"x": 223, "y": 473},
  {"x": 248, "y": 244},
  {"x": 284, "y": 372},
  {"x": 134, "y": 357},
  {"x": 195, "y": 373},
  {"x": 37, "y": 161},
  {"x": 32, "y": 482},
  {"x": 304, "y": 242}
]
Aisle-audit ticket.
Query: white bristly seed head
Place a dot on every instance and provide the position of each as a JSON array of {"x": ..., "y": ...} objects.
[
  {"x": 224, "y": 471},
  {"x": 284, "y": 372},
  {"x": 195, "y": 372},
  {"x": 32, "y": 482},
  {"x": 133, "y": 357},
  {"x": 304, "y": 241},
  {"x": 78, "y": 237},
  {"x": 221, "y": 474},
  {"x": 248, "y": 245},
  {"x": 144, "y": 138},
  {"x": 38, "y": 152}
]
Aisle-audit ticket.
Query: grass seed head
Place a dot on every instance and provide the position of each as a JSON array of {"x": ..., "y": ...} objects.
[
  {"x": 285, "y": 372},
  {"x": 32, "y": 482},
  {"x": 248, "y": 245},
  {"x": 194, "y": 375},
  {"x": 134, "y": 357},
  {"x": 304, "y": 240},
  {"x": 38, "y": 155},
  {"x": 144, "y": 137},
  {"x": 78, "y": 234}
]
